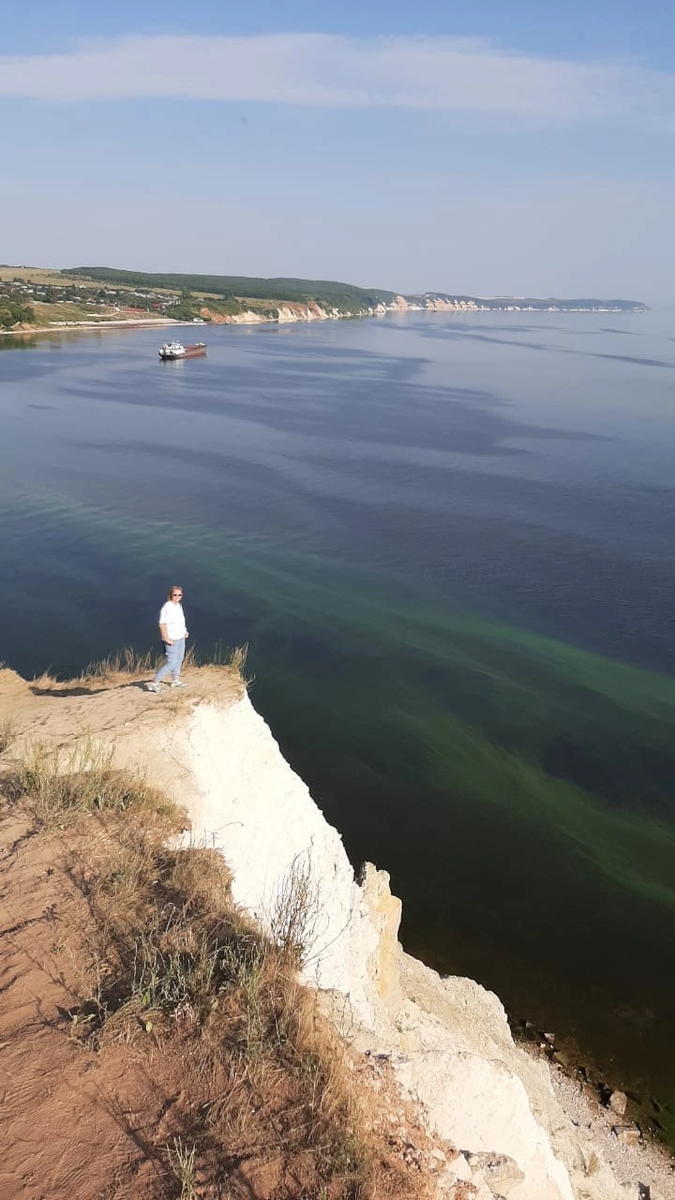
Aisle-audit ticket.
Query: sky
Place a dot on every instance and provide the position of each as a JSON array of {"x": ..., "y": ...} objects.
[{"x": 498, "y": 148}]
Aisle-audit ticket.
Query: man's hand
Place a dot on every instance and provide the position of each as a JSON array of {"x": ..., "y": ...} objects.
[
  {"x": 187, "y": 633},
  {"x": 168, "y": 642}
]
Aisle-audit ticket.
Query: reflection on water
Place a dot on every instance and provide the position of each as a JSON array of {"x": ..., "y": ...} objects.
[{"x": 18, "y": 341}]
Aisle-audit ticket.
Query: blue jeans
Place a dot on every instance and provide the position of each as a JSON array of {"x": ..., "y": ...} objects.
[{"x": 174, "y": 657}]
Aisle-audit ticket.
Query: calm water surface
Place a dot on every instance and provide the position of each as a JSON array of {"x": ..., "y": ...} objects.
[{"x": 449, "y": 542}]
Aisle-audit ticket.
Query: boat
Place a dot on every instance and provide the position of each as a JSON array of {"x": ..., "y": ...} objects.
[{"x": 174, "y": 349}]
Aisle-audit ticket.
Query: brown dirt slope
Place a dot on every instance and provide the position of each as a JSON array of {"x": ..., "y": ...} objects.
[
  {"x": 75, "y": 1124},
  {"x": 152, "y": 1045}
]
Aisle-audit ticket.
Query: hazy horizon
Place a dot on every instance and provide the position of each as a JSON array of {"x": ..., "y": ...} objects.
[
  {"x": 493, "y": 153},
  {"x": 369, "y": 285}
]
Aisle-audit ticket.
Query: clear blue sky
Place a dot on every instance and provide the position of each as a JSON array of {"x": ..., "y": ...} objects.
[{"x": 496, "y": 148}]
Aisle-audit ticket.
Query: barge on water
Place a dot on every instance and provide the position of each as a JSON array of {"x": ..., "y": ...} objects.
[{"x": 173, "y": 350}]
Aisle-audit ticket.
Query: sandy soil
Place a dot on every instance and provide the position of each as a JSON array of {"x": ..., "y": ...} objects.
[
  {"x": 76, "y": 1125},
  {"x": 105, "y": 708},
  {"x": 84, "y": 1121}
]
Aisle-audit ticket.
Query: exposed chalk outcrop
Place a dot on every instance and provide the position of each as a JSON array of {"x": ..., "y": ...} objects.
[
  {"x": 448, "y": 1039},
  {"x": 290, "y": 312}
]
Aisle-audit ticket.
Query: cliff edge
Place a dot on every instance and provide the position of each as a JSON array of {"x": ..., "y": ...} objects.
[{"x": 447, "y": 1039}]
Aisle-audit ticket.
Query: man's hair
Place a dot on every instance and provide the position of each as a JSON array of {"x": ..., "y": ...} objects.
[{"x": 175, "y": 588}]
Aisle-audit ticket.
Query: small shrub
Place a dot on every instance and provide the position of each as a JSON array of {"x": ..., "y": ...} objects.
[{"x": 296, "y": 908}]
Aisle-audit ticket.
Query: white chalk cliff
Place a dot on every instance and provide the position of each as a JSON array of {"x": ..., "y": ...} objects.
[{"x": 448, "y": 1039}]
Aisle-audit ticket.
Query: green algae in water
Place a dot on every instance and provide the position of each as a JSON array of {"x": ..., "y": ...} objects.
[{"x": 520, "y": 790}]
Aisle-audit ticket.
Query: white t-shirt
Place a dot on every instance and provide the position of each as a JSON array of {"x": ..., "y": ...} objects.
[{"x": 173, "y": 617}]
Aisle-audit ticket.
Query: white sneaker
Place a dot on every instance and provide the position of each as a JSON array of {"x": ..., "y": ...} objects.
[
  {"x": 178, "y": 683},
  {"x": 155, "y": 687}
]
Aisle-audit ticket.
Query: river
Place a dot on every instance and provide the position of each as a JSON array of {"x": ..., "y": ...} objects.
[{"x": 448, "y": 540}]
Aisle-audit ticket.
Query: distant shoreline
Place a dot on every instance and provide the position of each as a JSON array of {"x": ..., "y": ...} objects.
[
  {"x": 163, "y": 322},
  {"x": 88, "y": 326}
]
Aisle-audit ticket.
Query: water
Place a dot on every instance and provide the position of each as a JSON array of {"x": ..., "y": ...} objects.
[{"x": 449, "y": 543}]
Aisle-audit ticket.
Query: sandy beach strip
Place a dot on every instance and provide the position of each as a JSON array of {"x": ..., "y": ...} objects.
[{"x": 88, "y": 326}]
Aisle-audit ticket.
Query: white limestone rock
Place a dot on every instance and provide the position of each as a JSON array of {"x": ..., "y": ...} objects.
[
  {"x": 250, "y": 804},
  {"x": 449, "y": 1038}
]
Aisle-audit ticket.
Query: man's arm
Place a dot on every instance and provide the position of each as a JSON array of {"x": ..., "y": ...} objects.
[{"x": 164, "y": 635}]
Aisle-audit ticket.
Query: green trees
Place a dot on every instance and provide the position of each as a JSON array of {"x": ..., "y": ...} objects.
[
  {"x": 13, "y": 309},
  {"x": 324, "y": 292},
  {"x": 185, "y": 310}
]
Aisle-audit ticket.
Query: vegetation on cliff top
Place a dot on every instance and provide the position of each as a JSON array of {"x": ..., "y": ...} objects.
[
  {"x": 155, "y": 977},
  {"x": 303, "y": 291}
]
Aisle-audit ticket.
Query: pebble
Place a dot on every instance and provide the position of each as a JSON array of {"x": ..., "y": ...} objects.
[
  {"x": 628, "y": 1135},
  {"x": 618, "y": 1103}
]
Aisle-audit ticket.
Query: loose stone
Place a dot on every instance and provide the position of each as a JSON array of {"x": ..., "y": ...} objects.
[{"x": 618, "y": 1102}]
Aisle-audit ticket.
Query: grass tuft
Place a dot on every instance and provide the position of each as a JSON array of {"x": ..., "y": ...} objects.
[
  {"x": 237, "y": 662},
  {"x": 7, "y": 733},
  {"x": 128, "y": 662},
  {"x": 182, "y": 1165},
  {"x": 234, "y": 658},
  {"x": 123, "y": 662},
  {"x": 58, "y": 783}
]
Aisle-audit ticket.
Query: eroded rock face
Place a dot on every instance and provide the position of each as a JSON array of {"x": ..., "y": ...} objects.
[
  {"x": 448, "y": 1039},
  {"x": 384, "y": 913},
  {"x": 245, "y": 799}
]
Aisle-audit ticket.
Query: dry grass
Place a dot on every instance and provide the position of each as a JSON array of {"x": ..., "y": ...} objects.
[
  {"x": 130, "y": 663},
  {"x": 125, "y": 662},
  {"x": 226, "y": 656},
  {"x": 7, "y": 733},
  {"x": 59, "y": 783},
  {"x": 296, "y": 910},
  {"x": 182, "y": 1165},
  {"x": 171, "y": 969},
  {"x": 44, "y": 275},
  {"x": 70, "y": 310},
  {"x": 174, "y": 962}
]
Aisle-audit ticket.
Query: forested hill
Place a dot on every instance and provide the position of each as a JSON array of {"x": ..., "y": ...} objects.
[{"x": 325, "y": 292}]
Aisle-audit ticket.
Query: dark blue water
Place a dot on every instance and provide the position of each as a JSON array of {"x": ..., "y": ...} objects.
[{"x": 449, "y": 542}]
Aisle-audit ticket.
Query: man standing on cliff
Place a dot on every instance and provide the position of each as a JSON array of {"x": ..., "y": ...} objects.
[{"x": 173, "y": 632}]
